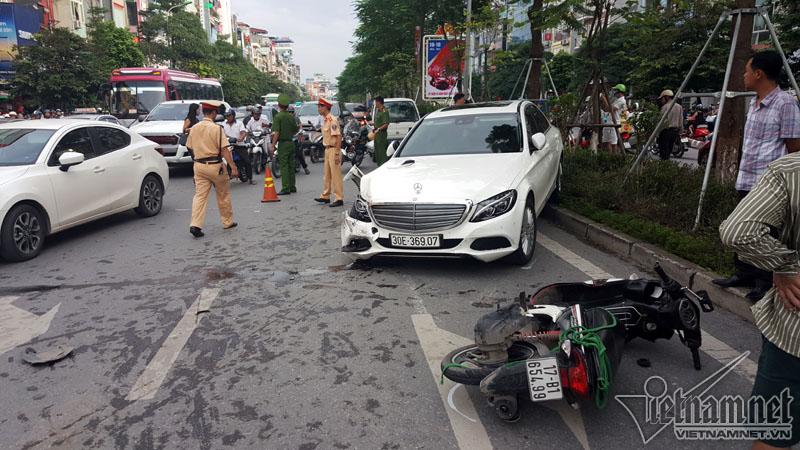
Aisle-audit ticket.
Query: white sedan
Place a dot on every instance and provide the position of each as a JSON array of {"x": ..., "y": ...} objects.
[
  {"x": 467, "y": 181},
  {"x": 56, "y": 174}
]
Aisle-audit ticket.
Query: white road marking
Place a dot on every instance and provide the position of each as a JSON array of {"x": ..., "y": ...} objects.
[
  {"x": 18, "y": 326},
  {"x": 207, "y": 297},
  {"x": 712, "y": 346},
  {"x": 452, "y": 404},
  {"x": 436, "y": 344},
  {"x": 156, "y": 371}
]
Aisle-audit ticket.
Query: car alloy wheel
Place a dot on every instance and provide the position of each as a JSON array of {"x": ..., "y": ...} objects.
[
  {"x": 528, "y": 233},
  {"x": 151, "y": 197},
  {"x": 27, "y": 233}
]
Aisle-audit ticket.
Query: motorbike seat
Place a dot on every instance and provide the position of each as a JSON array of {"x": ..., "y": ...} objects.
[{"x": 594, "y": 293}]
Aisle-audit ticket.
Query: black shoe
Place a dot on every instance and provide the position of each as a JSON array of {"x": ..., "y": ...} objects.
[
  {"x": 322, "y": 200},
  {"x": 308, "y": 172},
  {"x": 252, "y": 182},
  {"x": 233, "y": 225},
  {"x": 196, "y": 232},
  {"x": 735, "y": 280},
  {"x": 293, "y": 191},
  {"x": 335, "y": 204},
  {"x": 284, "y": 192},
  {"x": 759, "y": 291}
]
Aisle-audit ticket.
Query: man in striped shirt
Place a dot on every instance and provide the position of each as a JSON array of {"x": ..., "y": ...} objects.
[
  {"x": 772, "y": 130},
  {"x": 772, "y": 209}
]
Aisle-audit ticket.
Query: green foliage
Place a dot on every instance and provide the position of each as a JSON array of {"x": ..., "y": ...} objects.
[
  {"x": 113, "y": 48},
  {"x": 651, "y": 206},
  {"x": 785, "y": 19},
  {"x": 562, "y": 112},
  {"x": 59, "y": 72}
]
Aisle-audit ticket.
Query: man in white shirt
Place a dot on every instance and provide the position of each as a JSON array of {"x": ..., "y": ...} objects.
[
  {"x": 257, "y": 121},
  {"x": 235, "y": 130}
]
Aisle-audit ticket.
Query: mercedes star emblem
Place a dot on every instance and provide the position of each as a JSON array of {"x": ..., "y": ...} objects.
[{"x": 417, "y": 187}]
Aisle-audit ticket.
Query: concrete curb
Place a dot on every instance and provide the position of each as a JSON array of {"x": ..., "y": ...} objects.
[{"x": 646, "y": 256}]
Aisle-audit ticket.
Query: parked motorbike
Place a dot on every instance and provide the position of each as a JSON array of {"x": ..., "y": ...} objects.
[
  {"x": 355, "y": 142},
  {"x": 566, "y": 341}
]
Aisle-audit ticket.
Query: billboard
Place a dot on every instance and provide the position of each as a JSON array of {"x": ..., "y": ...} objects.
[
  {"x": 8, "y": 39},
  {"x": 442, "y": 68}
]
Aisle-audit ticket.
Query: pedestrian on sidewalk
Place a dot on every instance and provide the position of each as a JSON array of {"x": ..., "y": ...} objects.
[
  {"x": 381, "y": 121},
  {"x": 284, "y": 127},
  {"x": 209, "y": 146},
  {"x": 674, "y": 124},
  {"x": 459, "y": 99},
  {"x": 772, "y": 130},
  {"x": 332, "y": 140},
  {"x": 765, "y": 230}
]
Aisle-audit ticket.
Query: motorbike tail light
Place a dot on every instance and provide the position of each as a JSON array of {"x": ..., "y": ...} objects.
[
  {"x": 626, "y": 136},
  {"x": 575, "y": 376}
]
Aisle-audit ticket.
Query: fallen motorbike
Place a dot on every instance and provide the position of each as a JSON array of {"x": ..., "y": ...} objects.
[
  {"x": 566, "y": 341},
  {"x": 355, "y": 142}
]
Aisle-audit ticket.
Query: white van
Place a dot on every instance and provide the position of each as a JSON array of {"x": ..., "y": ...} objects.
[{"x": 403, "y": 114}]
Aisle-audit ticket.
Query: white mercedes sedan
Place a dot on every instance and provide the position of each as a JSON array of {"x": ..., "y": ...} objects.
[
  {"x": 56, "y": 174},
  {"x": 467, "y": 181}
]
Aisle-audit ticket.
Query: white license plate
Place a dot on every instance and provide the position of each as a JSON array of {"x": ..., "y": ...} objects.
[
  {"x": 401, "y": 240},
  {"x": 544, "y": 380},
  {"x": 627, "y": 145},
  {"x": 685, "y": 140}
]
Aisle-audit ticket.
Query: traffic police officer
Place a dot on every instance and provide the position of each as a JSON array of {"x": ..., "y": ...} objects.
[
  {"x": 284, "y": 127},
  {"x": 332, "y": 140},
  {"x": 210, "y": 146},
  {"x": 381, "y": 121}
]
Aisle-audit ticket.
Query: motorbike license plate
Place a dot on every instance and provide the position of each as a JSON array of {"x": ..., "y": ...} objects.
[
  {"x": 685, "y": 140},
  {"x": 402, "y": 240},
  {"x": 627, "y": 145},
  {"x": 544, "y": 380}
]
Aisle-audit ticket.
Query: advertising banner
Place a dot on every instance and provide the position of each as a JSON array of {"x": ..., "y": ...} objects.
[
  {"x": 8, "y": 39},
  {"x": 27, "y": 20},
  {"x": 442, "y": 68}
]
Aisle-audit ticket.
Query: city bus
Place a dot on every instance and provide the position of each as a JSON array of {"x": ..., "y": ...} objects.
[{"x": 136, "y": 91}]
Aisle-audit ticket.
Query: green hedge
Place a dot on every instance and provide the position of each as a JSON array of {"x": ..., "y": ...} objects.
[{"x": 658, "y": 204}]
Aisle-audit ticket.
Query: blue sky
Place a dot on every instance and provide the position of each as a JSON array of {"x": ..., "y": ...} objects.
[{"x": 322, "y": 30}]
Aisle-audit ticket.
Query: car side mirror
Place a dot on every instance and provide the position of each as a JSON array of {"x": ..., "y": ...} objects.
[
  {"x": 68, "y": 159},
  {"x": 141, "y": 118},
  {"x": 538, "y": 141},
  {"x": 392, "y": 148}
]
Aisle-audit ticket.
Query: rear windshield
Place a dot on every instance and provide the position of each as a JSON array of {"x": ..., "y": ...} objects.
[
  {"x": 459, "y": 135},
  {"x": 169, "y": 111},
  {"x": 21, "y": 146},
  {"x": 402, "y": 112}
]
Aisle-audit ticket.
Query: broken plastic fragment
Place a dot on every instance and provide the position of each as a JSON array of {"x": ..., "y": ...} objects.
[{"x": 49, "y": 355}]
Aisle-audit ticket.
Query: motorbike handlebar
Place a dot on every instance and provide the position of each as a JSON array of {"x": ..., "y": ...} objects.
[{"x": 661, "y": 274}]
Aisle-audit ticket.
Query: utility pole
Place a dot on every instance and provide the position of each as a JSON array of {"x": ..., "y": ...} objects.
[
  {"x": 730, "y": 126},
  {"x": 467, "y": 85}
]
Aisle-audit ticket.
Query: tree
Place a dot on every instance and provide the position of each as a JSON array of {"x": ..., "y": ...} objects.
[
  {"x": 61, "y": 71},
  {"x": 112, "y": 47},
  {"x": 730, "y": 126},
  {"x": 785, "y": 17},
  {"x": 171, "y": 34}
]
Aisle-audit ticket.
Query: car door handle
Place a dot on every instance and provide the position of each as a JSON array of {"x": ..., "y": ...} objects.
[
  {"x": 137, "y": 156},
  {"x": 99, "y": 169}
]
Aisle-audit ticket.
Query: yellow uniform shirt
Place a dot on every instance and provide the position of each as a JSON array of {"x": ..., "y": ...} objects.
[
  {"x": 206, "y": 139},
  {"x": 330, "y": 131}
]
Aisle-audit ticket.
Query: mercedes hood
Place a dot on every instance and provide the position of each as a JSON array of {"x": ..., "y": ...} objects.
[{"x": 440, "y": 179}]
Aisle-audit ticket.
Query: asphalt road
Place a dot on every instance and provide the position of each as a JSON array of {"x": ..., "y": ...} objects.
[{"x": 299, "y": 349}]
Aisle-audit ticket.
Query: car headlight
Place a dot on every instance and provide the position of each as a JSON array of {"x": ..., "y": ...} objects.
[
  {"x": 495, "y": 206},
  {"x": 359, "y": 210}
]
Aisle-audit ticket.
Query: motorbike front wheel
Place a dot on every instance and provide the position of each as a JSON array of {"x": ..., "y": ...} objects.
[
  {"x": 275, "y": 167},
  {"x": 257, "y": 163},
  {"x": 463, "y": 365},
  {"x": 313, "y": 154}
]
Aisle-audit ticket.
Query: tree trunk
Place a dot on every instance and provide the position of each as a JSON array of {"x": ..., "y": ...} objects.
[
  {"x": 730, "y": 126},
  {"x": 534, "y": 89}
]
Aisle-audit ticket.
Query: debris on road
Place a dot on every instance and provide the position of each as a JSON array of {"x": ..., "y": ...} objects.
[{"x": 47, "y": 356}]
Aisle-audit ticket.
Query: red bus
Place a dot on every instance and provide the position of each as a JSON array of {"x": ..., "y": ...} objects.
[{"x": 136, "y": 91}]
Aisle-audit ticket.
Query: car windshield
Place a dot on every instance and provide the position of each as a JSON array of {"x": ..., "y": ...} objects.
[
  {"x": 169, "y": 111},
  {"x": 460, "y": 135},
  {"x": 21, "y": 146},
  {"x": 130, "y": 98},
  {"x": 307, "y": 109},
  {"x": 402, "y": 112}
]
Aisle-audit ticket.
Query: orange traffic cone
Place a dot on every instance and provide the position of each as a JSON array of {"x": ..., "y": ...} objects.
[{"x": 269, "y": 188}]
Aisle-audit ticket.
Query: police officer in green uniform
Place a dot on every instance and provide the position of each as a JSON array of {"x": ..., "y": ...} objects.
[
  {"x": 284, "y": 127},
  {"x": 381, "y": 121}
]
